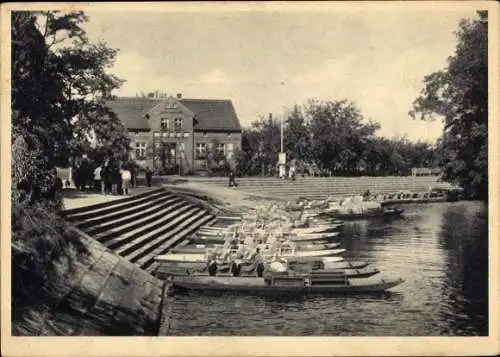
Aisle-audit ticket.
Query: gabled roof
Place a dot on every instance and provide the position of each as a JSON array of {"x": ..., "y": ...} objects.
[
  {"x": 131, "y": 111},
  {"x": 213, "y": 114}
]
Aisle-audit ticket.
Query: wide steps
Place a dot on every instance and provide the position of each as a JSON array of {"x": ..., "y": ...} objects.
[
  {"x": 327, "y": 186},
  {"x": 145, "y": 256},
  {"x": 88, "y": 212},
  {"x": 142, "y": 226},
  {"x": 129, "y": 231},
  {"x": 107, "y": 222},
  {"x": 139, "y": 238}
]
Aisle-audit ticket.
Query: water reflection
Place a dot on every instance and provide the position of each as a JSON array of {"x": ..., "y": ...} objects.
[{"x": 440, "y": 250}]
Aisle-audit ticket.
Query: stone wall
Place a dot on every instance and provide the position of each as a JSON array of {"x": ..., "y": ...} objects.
[{"x": 100, "y": 293}]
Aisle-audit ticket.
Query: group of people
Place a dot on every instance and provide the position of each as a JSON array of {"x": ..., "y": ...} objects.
[
  {"x": 236, "y": 265},
  {"x": 111, "y": 177},
  {"x": 114, "y": 178}
]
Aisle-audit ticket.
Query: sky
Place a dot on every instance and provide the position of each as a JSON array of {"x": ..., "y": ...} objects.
[{"x": 268, "y": 60}]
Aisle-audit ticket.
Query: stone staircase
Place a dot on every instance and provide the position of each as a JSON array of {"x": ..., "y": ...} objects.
[
  {"x": 320, "y": 187},
  {"x": 142, "y": 226}
]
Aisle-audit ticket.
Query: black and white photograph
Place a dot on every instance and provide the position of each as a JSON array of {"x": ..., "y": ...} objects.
[{"x": 252, "y": 169}]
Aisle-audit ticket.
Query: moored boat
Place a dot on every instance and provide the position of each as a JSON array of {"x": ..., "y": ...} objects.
[
  {"x": 200, "y": 269},
  {"x": 296, "y": 255},
  {"x": 280, "y": 284},
  {"x": 314, "y": 236},
  {"x": 201, "y": 248},
  {"x": 324, "y": 228}
]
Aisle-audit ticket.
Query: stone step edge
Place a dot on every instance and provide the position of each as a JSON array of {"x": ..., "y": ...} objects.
[
  {"x": 92, "y": 213},
  {"x": 111, "y": 203},
  {"x": 178, "y": 233}
]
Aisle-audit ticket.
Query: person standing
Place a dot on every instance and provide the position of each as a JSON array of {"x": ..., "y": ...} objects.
[
  {"x": 259, "y": 263},
  {"x": 212, "y": 267},
  {"x": 149, "y": 176},
  {"x": 97, "y": 177},
  {"x": 115, "y": 178},
  {"x": 236, "y": 267},
  {"x": 126, "y": 178},
  {"x": 105, "y": 179},
  {"x": 232, "y": 180},
  {"x": 132, "y": 175}
]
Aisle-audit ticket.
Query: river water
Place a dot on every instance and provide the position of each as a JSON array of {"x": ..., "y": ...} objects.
[{"x": 440, "y": 249}]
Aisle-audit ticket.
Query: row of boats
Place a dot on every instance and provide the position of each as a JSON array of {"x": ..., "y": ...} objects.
[{"x": 271, "y": 250}]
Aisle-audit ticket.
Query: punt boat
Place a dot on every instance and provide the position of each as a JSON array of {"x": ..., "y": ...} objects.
[
  {"x": 249, "y": 270},
  {"x": 279, "y": 284},
  {"x": 349, "y": 215},
  {"x": 201, "y": 248},
  {"x": 296, "y": 255},
  {"x": 220, "y": 240},
  {"x": 314, "y": 236},
  {"x": 346, "y": 265}
]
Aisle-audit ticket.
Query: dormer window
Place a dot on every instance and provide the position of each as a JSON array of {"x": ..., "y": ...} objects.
[{"x": 170, "y": 105}]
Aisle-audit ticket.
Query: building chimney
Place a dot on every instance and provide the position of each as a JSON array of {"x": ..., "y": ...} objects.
[
  {"x": 179, "y": 95},
  {"x": 270, "y": 116}
]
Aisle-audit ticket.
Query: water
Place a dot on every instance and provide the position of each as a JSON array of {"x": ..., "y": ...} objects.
[{"x": 440, "y": 249}]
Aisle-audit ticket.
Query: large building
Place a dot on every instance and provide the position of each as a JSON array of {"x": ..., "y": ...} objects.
[{"x": 175, "y": 134}]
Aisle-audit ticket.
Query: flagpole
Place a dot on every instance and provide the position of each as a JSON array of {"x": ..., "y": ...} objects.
[{"x": 282, "y": 113}]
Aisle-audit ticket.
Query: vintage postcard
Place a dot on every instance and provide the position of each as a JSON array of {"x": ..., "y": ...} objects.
[{"x": 250, "y": 178}]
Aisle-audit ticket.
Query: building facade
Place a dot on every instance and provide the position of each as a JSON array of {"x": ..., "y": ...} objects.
[{"x": 176, "y": 135}]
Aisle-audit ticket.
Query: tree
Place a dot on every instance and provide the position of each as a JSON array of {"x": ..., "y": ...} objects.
[
  {"x": 59, "y": 89},
  {"x": 339, "y": 135},
  {"x": 458, "y": 95},
  {"x": 297, "y": 140}
]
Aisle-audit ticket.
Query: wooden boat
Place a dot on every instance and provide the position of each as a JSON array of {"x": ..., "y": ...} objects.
[
  {"x": 348, "y": 215},
  {"x": 280, "y": 284},
  {"x": 249, "y": 270},
  {"x": 201, "y": 248},
  {"x": 313, "y": 237},
  {"x": 296, "y": 255},
  {"x": 357, "y": 269},
  {"x": 322, "y": 264},
  {"x": 206, "y": 240},
  {"x": 311, "y": 246},
  {"x": 316, "y": 229}
]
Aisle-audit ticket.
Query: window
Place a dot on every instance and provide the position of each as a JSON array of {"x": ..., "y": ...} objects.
[
  {"x": 171, "y": 105},
  {"x": 178, "y": 124},
  {"x": 140, "y": 150},
  {"x": 228, "y": 135},
  {"x": 221, "y": 149},
  {"x": 229, "y": 153},
  {"x": 204, "y": 133},
  {"x": 201, "y": 149},
  {"x": 164, "y": 124}
]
